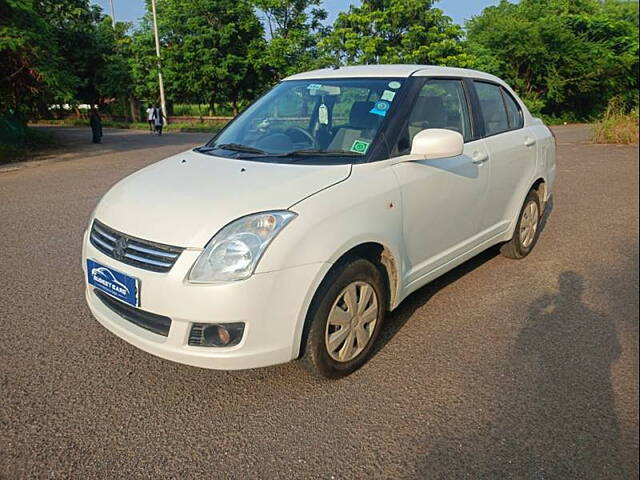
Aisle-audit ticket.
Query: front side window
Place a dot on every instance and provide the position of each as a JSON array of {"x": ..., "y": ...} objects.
[
  {"x": 312, "y": 119},
  {"x": 494, "y": 113},
  {"x": 440, "y": 104}
]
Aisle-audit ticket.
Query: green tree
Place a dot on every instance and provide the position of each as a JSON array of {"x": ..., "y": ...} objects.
[
  {"x": 395, "y": 31},
  {"x": 58, "y": 51},
  {"x": 114, "y": 78},
  {"x": 565, "y": 57},
  {"x": 210, "y": 51},
  {"x": 74, "y": 29},
  {"x": 293, "y": 27},
  {"x": 31, "y": 63}
]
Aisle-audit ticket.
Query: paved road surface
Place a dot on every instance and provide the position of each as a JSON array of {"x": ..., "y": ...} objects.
[{"x": 501, "y": 369}]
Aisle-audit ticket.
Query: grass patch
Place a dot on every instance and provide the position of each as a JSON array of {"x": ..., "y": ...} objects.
[
  {"x": 202, "y": 127},
  {"x": 617, "y": 126},
  {"x": 33, "y": 141}
]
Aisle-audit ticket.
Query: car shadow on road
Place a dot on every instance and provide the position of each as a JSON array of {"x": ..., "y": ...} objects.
[
  {"x": 395, "y": 320},
  {"x": 554, "y": 412}
]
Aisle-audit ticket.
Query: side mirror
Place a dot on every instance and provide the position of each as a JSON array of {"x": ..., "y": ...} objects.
[{"x": 436, "y": 143}]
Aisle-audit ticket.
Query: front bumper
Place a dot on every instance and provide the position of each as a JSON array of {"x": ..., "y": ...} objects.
[{"x": 272, "y": 305}]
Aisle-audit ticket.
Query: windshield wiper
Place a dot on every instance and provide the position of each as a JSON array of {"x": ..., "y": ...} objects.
[
  {"x": 204, "y": 149},
  {"x": 320, "y": 153},
  {"x": 238, "y": 147}
]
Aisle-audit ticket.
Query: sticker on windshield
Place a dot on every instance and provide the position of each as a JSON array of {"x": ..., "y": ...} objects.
[
  {"x": 380, "y": 108},
  {"x": 314, "y": 86},
  {"x": 395, "y": 85},
  {"x": 360, "y": 146},
  {"x": 388, "y": 95}
]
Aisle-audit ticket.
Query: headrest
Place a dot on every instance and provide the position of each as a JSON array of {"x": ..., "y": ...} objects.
[
  {"x": 429, "y": 112},
  {"x": 360, "y": 118},
  {"x": 493, "y": 110}
]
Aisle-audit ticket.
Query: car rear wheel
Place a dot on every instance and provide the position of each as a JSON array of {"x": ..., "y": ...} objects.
[
  {"x": 527, "y": 229},
  {"x": 345, "y": 319}
]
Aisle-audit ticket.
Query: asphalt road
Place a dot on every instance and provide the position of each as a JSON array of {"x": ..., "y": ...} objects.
[{"x": 500, "y": 369}]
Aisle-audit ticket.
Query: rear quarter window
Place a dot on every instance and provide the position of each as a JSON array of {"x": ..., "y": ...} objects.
[
  {"x": 492, "y": 106},
  {"x": 514, "y": 112}
]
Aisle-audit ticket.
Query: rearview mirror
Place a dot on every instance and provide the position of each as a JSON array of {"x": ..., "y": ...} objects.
[{"x": 436, "y": 143}]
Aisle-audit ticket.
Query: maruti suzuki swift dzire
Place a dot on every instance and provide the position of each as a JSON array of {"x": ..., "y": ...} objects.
[{"x": 317, "y": 210}]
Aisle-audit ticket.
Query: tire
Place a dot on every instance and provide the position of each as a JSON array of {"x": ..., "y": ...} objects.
[
  {"x": 524, "y": 239},
  {"x": 346, "y": 289}
]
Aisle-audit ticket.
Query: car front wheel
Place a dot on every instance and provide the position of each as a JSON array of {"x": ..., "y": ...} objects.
[{"x": 345, "y": 318}]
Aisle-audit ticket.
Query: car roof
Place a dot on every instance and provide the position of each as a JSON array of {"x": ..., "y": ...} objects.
[{"x": 397, "y": 71}]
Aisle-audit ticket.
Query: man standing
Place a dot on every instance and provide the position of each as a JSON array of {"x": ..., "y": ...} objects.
[
  {"x": 96, "y": 126},
  {"x": 150, "y": 111}
]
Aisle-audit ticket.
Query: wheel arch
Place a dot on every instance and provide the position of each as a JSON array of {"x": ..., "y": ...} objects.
[
  {"x": 540, "y": 186},
  {"x": 379, "y": 255},
  {"x": 382, "y": 257}
]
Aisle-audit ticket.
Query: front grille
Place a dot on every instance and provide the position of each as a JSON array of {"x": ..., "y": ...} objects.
[
  {"x": 133, "y": 251},
  {"x": 149, "y": 321}
]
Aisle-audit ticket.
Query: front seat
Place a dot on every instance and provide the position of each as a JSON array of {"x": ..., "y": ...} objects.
[
  {"x": 362, "y": 126},
  {"x": 428, "y": 112}
]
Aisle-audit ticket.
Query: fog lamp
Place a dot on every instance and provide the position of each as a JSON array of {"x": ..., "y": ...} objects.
[{"x": 216, "y": 334}]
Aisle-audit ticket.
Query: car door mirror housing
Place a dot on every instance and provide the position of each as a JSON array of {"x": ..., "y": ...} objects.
[{"x": 434, "y": 143}]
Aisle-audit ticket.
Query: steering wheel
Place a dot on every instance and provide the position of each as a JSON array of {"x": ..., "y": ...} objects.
[{"x": 300, "y": 130}]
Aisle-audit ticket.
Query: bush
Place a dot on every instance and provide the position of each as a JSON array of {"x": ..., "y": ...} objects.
[
  {"x": 32, "y": 141},
  {"x": 617, "y": 125}
]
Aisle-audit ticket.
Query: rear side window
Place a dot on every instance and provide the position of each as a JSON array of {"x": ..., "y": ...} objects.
[
  {"x": 494, "y": 113},
  {"x": 514, "y": 112}
]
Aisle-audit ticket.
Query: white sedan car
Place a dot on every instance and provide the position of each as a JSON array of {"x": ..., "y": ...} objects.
[{"x": 317, "y": 210}]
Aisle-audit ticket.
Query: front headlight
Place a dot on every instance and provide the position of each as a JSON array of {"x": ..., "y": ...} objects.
[{"x": 235, "y": 250}]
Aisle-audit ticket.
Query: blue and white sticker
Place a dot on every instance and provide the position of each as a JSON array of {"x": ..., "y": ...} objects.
[
  {"x": 381, "y": 107},
  {"x": 395, "y": 85},
  {"x": 314, "y": 86}
]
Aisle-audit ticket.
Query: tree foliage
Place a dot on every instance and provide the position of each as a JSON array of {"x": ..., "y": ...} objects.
[
  {"x": 31, "y": 65},
  {"x": 210, "y": 50},
  {"x": 565, "y": 57},
  {"x": 59, "y": 51},
  {"x": 396, "y": 31},
  {"x": 293, "y": 27}
]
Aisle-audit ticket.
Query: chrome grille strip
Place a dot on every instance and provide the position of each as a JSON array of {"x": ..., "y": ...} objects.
[
  {"x": 133, "y": 251},
  {"x": 155, "y": 253},
  {"x": 95, "y": 238},
  {"x": 148, "y": 260},
  {"x": 99, "y": 230}
]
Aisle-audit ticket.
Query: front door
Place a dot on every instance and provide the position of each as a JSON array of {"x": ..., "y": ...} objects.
[{"x": 442, "y": 200}]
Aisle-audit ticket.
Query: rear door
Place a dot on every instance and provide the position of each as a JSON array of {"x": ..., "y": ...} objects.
[{"x": 512, "y": 154}]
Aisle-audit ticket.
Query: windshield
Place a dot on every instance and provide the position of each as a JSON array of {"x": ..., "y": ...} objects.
[{"x": 312, "y": 118}]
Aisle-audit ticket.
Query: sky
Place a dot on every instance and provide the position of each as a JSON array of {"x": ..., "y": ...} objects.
[{"x": 459, "y": 10}]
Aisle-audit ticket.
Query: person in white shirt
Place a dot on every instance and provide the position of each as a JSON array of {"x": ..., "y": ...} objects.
[{"x": 150, "y": 120}]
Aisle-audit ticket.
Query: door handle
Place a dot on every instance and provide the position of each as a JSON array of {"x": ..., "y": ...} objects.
[
  {"x": 529, "y": 142},
  {"x": 479, "y": 157}
]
